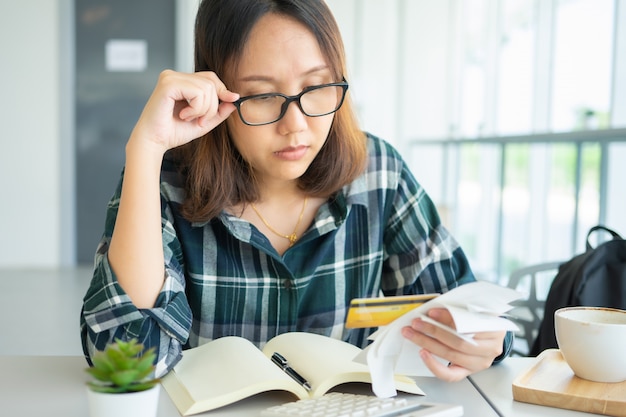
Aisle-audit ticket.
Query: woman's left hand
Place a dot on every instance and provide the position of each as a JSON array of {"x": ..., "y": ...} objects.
[{"x": 464, "y": 358}]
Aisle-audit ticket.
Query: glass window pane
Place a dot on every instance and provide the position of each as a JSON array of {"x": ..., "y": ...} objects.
[
  {"x": 427, "y": 163},
  {"x": 477, "y": 206},
  {"x": 616, "y": 198},
  {"x": 560, "y": 202},
  {"x": 516, "y": 199},
  {"x": 589, "y": 197},
  {"x": 516, "y": 55},
  {"x": 474, "y": 68},
  {"x": 582, "y": 64}
]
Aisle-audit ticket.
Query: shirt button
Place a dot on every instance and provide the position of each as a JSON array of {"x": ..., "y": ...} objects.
[{"x": 287, "y": 284}]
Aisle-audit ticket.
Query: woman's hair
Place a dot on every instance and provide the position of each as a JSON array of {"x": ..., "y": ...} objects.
[{"x": 217, "y": 175}]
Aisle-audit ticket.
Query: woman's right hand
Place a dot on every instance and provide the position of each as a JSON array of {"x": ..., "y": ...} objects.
[{"x": 183, "y": 107}]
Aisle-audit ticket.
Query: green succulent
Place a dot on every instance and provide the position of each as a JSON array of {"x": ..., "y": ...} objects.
[{"x": 121, "y": 367}]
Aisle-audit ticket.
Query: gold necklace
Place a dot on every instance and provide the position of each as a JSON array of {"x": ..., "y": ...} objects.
[{"x": 292, "y": 237}]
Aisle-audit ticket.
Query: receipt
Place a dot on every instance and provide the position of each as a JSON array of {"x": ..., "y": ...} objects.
[{"x": 475, "y": 307}]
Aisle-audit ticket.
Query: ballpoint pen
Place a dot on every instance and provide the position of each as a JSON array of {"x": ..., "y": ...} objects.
[{"x": 282, "y": 363}]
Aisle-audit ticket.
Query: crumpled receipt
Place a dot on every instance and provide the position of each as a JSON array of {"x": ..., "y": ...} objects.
[{"x": 475, "y": 307}]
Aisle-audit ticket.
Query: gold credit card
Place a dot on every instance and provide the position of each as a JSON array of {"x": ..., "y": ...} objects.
[{"x": 379, "y": 311}]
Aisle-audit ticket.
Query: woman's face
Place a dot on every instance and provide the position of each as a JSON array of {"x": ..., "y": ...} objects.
[{"x": 281, "y": 56}]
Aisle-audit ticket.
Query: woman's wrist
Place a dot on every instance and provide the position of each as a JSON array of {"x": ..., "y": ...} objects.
[
  {"x": 146, "y": 151},
  {"x": 507, "y": 347}
]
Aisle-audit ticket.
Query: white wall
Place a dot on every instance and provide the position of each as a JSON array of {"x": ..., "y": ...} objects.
[{"x": 30, "y": 211}]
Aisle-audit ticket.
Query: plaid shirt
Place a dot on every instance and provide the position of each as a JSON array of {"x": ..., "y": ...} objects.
[{"x": 380, "y": 233}]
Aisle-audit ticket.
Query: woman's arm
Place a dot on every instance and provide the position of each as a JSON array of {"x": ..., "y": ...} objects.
[
  {"x": 108, "y": 312},
  {"x": 138, "y": 286},
  {"x": 136, "y": 252},
  {"x": 181, "y": 108}
]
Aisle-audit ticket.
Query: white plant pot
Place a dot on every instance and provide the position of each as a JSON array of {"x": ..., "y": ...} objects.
[{"x": 134, "y": 404}]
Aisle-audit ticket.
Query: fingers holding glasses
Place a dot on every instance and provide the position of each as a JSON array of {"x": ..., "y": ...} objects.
[
  {"x": 183, "y": 107},
  {"x": 205, "y": 99}
]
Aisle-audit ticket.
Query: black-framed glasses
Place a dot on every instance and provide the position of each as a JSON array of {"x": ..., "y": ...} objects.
[{"x": 314, "y": 101}]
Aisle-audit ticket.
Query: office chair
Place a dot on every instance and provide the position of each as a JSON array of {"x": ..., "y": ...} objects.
[{"x": 535, "y": 280}]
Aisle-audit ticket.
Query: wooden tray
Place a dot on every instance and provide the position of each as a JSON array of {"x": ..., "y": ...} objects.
[{"x": 550, "y": 381}]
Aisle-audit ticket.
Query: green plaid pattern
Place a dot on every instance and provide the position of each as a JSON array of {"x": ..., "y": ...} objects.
[{"x": 379, "y": 234}]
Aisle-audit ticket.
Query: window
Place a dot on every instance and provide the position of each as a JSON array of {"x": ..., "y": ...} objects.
[
  {"x": 583, "y": 57},
  {"x": 511, "y": 114}
]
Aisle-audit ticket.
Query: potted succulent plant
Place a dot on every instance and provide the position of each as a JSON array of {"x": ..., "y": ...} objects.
[{"x": 122, "y": 384}]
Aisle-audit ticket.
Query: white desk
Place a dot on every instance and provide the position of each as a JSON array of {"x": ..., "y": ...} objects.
[
  {"x": 54, "y": 386},
  {"x": 495, "y": 385}
]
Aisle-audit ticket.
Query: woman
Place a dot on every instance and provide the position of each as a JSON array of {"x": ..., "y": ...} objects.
[{"x": 252, "y": 205}]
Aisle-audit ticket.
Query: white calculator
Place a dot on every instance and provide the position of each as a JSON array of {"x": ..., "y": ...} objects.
[{"x": 337, "y": 404}]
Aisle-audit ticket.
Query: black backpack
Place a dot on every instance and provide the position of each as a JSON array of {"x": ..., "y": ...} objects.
[{"x": 594, "y": 278}]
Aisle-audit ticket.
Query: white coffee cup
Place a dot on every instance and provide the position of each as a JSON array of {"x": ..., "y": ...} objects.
[{"x": 593, "y": 342}]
